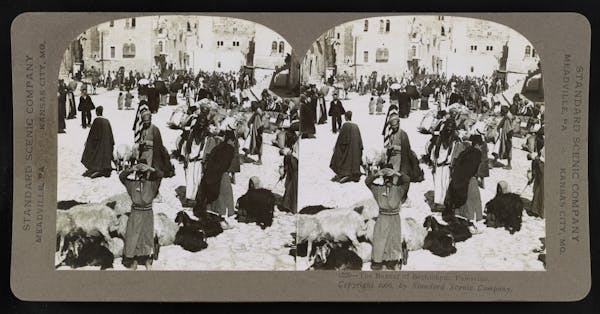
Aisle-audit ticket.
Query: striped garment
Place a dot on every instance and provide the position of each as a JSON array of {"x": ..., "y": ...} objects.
[
  {"x": 387, "y": 130},
  {"x": 137, "y": 123}
]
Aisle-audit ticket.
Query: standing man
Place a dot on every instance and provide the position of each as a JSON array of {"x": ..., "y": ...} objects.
[
  {"x": 388, "y": 248},
  {"x": 62, "y": 106},
  {"x": 307, "y": 121},
  {"x": 98, "y": 153},
  {"x": 347, "y": 153},
  {"x": 398, "y": 147},
  {"x": 336, "y": 110},
  {"x": 503, "y": 147},
  {"x": 85, "y": 106},
  {"x": 151, "y": 147},
  {"x": 139, "y": 235}
]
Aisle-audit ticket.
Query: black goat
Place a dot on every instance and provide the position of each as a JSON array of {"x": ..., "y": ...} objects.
[
  {"x": 313, "y": 209},
  {"x": 439, "y": 243},
  {"x": 257, "y": 205},
  {"x": 457, "y": 227},
  {"x": 210, "y": 224},
  {"x": 505, "y": 210},
  {"x": 334, "y": 257},
  {"x": 83, "y": 250},
  {"x": 190, "y": 239}
]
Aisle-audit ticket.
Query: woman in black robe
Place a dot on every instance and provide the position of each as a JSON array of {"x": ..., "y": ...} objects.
[{"x": 307, "y": 119}]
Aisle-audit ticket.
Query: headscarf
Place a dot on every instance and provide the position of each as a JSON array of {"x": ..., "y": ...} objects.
[{"x": 503, "y": 187}]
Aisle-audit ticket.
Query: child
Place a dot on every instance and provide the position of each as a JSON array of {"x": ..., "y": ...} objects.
[{"x": 120, "y": 101}]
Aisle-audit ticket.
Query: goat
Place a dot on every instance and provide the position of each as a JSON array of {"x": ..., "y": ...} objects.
[
  {"x": 413, "y": 233},
  {"x": 338, "y": 225},
  {"x": 190, "y": 239},
  {"x": 122, "y": 203},
  {"x": 93, "y": 219},
  {"x": 505, "y": 210},
  {"x": 313, "y": 209},
  {"x": 439, "y": 243},
  {"x": 85, "y": 250},
  {"x": 457, "y": 228},
  {"x": 335, "y": 257},
  {"x": 257, "y": 205},
  {"x": 64, "y": 225},
  {"x": 210, "y": 224},
  {"x": 164, "y": 229}
]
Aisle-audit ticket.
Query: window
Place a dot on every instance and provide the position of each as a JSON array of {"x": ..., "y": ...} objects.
[
  {"x": 527, "y": 51},
  {"x": 112, "y": 52},
  {"x": 133, "y": 22},
  {"x": 381, "y": 26},
  {"x": 338, "y": 35},
  {"x": 387, "y": 26},
  {"x": 128, "y": 50},
  {"x": 472, "y": 69},
  {"x": 443, "y": 31},
  {"x": 189, "y": 27},
  {"x": 282, "y": 46},
  {"x": 533, "y": 52},
  {"x": 161, "y": 47},
  {"x": 111, "y": 23},
  {"x": 381, "y": 55},
  {"x": 489, "y": 48},
  {"x": 473, "y": 48},
  {"x": 219, "y": 43},
  {"x": 366, "y": 29},
  {"x": 219, "y": 64},
  {"x": 365, "y": 56},
  {"x": 274, "y": 47}
]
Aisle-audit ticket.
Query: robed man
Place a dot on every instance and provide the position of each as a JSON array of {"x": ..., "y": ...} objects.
[
  {"x": 307, "y": 119},
  {"x": 398, "y": 147},
  {"x": 347, "y": 153},
  {"x": 151, "y": 147},
  {"x": 98, "y": 152}
]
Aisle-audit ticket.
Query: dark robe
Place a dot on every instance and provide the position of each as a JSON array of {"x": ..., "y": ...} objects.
[
  {"x": 98, "y": 152},
  {"x": 153, "y": 99},
  {"x": 290, "y": 197},
  {"x": 62, "y": 108},
  {"x": 456, "y": 98},
  {"x": 161, "y": 160},
  {"x": 307, "y": 120},
  {"x": 412, "y": 92},
  {"x": 403, "y": 104},
  {"x": 464, "y": 168},
  {"x": 537, "y": 172},
  {"x": 347, "y": 153},
  {"x": 217, "y": 164},
  {"x": 255, "y": 123}
]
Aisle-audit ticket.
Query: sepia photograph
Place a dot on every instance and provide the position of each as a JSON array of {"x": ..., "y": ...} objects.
[
  {"x": 422, "y": 147},
  {"x": 177, "y": 146}
]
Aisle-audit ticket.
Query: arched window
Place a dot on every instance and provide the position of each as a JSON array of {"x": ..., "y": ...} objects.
[
  {"x": 381, "y": 55},
  {"x": 274, "y": 47},
  {"x": 129, "y": 50},
  {"x": 533, "y": 53},
  {"x": 443, "y": 31},
  {"x": 366, "y": 25},
  {"x": 527, "y": 51},
  {"x": 387, "y": 26},
  {"x": 281, "y": 47},
  {"x": 381, "y": 26},
  {"x": 413, "y": 51},
  {"x": 161, "y": 47}
]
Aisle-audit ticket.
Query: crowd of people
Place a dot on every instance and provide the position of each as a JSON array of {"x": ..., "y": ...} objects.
[
  {"x": 464, "y": 115},
  {"x": 221, "y": 122}
]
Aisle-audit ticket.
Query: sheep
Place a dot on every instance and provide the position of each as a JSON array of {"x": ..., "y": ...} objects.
[
  {"x": 373, "y": 159},
  {"x": 115, "y": 246},
  {"x": 164, "y": 228},
  {"x": 457, "y": 229},
  {"x": 413, "y": 233},
  {"x": 93, "y": 219},
  {"x": 257, "y": 205},
  {"x": 190, "y": 239},
  {"x": 210, "y": 225},
  {"x": 86, "y": 250},
  {"x": 335, "y": 257},
  {"x": 336, "y": 224}
]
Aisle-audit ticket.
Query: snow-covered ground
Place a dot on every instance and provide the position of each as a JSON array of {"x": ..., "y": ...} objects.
[
  {"x": 492, "y": 249},
  {"x": 244, "y": 247}
]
